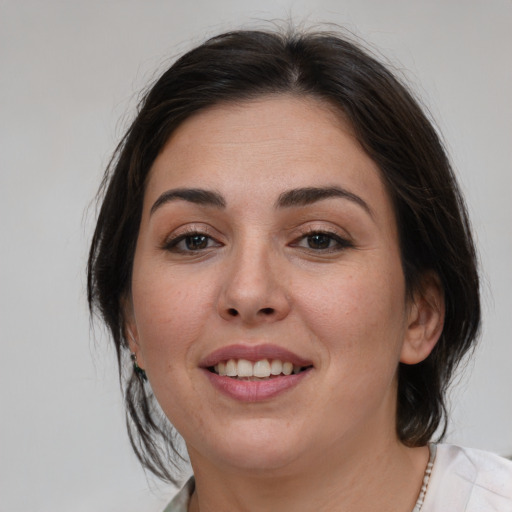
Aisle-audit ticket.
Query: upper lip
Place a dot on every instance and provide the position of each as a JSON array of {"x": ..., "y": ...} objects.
[{"x": 252, "y": 353}]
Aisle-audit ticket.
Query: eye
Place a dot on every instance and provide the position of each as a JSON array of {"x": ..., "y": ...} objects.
[
  {"x": 191, "y": 242},
  {"x": 322, "y": 241}
]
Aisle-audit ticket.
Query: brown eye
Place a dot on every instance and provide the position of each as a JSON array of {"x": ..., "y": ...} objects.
[
  {"x": 191, "y": 242},
  {"x": 196, "y": 242},
  {"x": 320, "y": 241}
]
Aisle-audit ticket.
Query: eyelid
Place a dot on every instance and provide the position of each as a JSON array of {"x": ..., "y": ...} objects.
[
  {"x": 343, "y": 241},
  {"x": 181, "y": 233},
  {"x": 327, "y": 228}
]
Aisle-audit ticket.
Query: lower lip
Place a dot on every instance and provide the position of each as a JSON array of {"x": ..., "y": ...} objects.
[{"x": 255, "y": 391}]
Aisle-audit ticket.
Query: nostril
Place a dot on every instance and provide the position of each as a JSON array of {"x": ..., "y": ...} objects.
[
  {"x": 232, "y": 312},
  {"x": 267, "y": 311}
]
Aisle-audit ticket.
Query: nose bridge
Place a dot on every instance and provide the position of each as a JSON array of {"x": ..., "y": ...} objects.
[{"x": 252, "y": 289}]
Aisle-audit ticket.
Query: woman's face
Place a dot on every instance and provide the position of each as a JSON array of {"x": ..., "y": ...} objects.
[{"x": 268, "y": 237}]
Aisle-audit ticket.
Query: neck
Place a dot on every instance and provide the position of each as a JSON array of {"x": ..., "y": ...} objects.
[{"x": 384, "y": 476}]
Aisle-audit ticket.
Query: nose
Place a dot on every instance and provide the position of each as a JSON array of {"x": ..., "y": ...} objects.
[{"x": 254, "y": 287}]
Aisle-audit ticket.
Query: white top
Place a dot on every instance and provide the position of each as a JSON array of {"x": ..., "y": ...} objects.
[
  {"x": 462, "y": 480},
  {"x": 467, "y": 480}
]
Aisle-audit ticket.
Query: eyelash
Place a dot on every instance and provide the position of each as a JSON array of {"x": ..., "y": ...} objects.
[
  {"x": 172, "y": 244},
  {"x": 340, "y": 243}
]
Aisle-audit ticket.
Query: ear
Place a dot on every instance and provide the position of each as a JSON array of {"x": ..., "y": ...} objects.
[
  {"x": 425, "y": 319},
  {"x": 131, "y": 333}
]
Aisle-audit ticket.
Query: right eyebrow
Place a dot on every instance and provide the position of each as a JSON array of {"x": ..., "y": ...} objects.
[
  {"x": 309, "y": 195},
  {"x": 192, "y": 195}
]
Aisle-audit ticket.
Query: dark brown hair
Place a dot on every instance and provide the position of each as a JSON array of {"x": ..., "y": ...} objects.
[{"x": 433, "y": 227}]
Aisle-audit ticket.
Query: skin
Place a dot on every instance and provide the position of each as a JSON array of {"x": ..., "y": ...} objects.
[{"x": 330, "y": 442}]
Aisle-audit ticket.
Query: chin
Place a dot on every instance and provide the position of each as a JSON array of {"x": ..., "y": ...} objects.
[
  {"x": 255, "y": 448},
  {"x": 257, "y": 459}
]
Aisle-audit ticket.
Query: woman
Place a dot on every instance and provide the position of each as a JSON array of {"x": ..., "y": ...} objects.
[{"x": 283, "y": 251}]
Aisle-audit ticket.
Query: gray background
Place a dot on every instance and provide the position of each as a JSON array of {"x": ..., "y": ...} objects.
[{"x": 70, "y": 73}]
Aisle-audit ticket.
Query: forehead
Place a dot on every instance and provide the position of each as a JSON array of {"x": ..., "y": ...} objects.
[
  {"x": 270, "y": 120},
  {"x": 279, "y": 140}
]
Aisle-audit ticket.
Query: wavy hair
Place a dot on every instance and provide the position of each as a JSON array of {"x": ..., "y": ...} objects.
[{"x": 433, "y": 226}]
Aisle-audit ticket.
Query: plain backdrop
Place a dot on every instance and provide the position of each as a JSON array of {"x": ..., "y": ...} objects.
[{"x": 70, "y": 74}]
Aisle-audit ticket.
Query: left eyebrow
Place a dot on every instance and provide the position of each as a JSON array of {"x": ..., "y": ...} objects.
[
  {"x": 191, "y": 195},
  {"x": 310, "y": 195}
]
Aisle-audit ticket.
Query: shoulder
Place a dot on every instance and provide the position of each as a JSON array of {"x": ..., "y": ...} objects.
[
  {"x": 180, "y": 502},
  {"x": 469, "y": 480}
]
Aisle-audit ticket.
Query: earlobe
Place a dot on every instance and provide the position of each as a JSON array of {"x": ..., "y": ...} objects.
[
  {"x": 133, "y": 344},
  {"x": 135, "y": 352},
  {"x": 130, "y": 329},
  {"x": 425, "y": 320}
]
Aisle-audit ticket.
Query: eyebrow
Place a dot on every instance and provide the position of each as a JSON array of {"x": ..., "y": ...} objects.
[
  {"x": 310, "y": 195},
  {"x": 291, "y": 198},
  {"x": 192, "y": 195}
]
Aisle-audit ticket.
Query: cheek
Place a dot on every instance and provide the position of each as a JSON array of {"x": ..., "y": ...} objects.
[
  {"x": 358, "y": 314},
  {"x": 170, "y": 312}
]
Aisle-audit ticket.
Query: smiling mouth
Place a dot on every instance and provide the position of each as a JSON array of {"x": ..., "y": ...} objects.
[{"x": 264, "y": 369}]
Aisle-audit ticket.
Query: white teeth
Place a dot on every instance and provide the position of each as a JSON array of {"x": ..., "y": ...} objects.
[
  {"x": 287, "y": 368},
  {"x": 231, "y": 368},
  {"x": 260, "y": 369},
  {"x": 276, "y": 367},
  {"x": 244, "y": 368}
]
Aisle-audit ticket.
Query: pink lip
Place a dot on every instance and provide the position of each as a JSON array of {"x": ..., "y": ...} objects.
[
  {"x": 252, "y": 353},
  {"x": 253, "y": 391}
]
